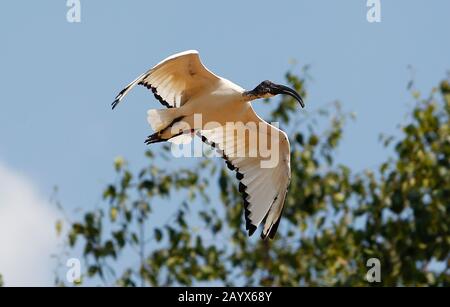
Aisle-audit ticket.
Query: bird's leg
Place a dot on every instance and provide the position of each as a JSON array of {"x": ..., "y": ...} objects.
[
  {"x": 176, "y": 128},
  {"x": 154, "y": 138},
  {"x": 160, "y": 136},
  {"x": 157, "y": 137}
]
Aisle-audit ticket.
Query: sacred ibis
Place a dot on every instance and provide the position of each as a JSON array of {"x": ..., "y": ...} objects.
[{"x": 188, "y": 89}]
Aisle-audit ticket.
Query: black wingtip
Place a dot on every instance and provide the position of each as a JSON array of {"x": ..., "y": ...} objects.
[
  {"x": 273, "y": 230},
  {"x": 268, "y": 235},
  {"x": 251, "y": 229},
  {"x": 115, "y": 103},
  {"x": 118, "y": 98},
  {"x": 239, "y": 176}
]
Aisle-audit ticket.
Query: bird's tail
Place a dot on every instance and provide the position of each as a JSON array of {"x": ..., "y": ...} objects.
[{"x": 160, "y": 119}]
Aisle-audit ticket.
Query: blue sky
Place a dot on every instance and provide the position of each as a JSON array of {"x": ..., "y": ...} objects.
[{"x": 58, "y": 78}]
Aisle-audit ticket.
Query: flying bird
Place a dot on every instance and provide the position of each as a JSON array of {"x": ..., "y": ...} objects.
[{"x": 187, "y": 88}]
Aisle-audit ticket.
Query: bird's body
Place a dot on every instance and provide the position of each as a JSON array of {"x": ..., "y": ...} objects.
[
  {"x": 222, "y": 104},
  {"x": 229, "y": 123}
]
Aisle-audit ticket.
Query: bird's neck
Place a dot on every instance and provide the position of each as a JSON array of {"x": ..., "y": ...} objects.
[{"x": 252, "y": 95}]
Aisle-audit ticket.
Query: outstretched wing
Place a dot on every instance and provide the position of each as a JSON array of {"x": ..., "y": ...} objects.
[
  {"x": 264, "y": 179},
  {"x": 174, "y": 80}
]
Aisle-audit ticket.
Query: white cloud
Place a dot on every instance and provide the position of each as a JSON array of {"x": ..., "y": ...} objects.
[{"x": 27, "y": 232}]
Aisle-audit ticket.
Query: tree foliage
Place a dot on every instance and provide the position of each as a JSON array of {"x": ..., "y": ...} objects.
[{"x": 334, "y": 220}]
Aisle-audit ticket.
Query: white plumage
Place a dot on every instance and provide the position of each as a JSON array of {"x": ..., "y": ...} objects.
[{"x": 186, "y": 87}]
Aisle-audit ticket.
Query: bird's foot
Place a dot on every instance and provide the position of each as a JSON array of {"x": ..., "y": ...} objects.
[{"x": 153, "y": 138}]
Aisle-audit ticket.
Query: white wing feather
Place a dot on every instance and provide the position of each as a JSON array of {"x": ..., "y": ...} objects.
[
  {"x": 174, "y": 80},
  {"x": 264, "y": 189}
]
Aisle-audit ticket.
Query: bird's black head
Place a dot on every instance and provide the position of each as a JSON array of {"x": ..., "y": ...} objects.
[{"x": 268, "y": 89}]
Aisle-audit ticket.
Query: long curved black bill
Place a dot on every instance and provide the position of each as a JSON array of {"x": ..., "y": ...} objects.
[{"x": 281, "y": 89}]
